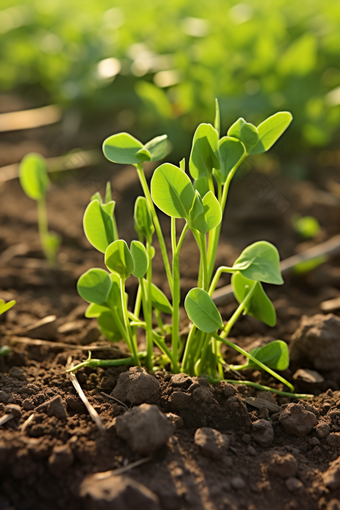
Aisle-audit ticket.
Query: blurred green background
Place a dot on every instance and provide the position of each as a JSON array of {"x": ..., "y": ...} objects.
[{"x": 155, "y": 67}]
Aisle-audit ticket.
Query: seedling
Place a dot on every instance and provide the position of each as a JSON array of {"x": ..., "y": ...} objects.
[
  {"x": 201, "y": 203},
  {"x": 4, "y": 307},
  {"x": 34, "y": 181}
]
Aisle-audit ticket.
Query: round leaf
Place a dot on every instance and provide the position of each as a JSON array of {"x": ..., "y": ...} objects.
[
  {"x": 231, "y": 151},
  {"x": 259, "y": 305},
  {"x": 204, "y": 154},
  {"x": 118, "y": 259},
  {"x": 140, "y": 259},
  {"x": 94, "y": 286},
  {"x": 125, "y": 149},
  {"x": 172, "y": 191},
  {"x": 274, "y": 355},
  {"x": 260, "y": 262},
  {"x": 98, "y": 226},
  {"x": 33, "y": 176},
  {"x": 270, "y": 131},
  {"x": 202, "y": 311},
  {"x": 212, "y": 211}
]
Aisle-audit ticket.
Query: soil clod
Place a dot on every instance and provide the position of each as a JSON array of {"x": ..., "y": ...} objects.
[
  {"x": 263, "y": 432},
  {"x": 137, "y": 387},
  {"x": 211, "y": 442},
  {"x": 296, "y": 420}
]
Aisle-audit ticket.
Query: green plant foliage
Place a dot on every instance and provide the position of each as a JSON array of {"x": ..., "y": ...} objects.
[
  {"x": 307, "y": 226},
  {"x": 94, "y": 286},
  {"x": 231, "y": 151},
  {"x": 259, "y": 305},
  {"x": 270, "y": 131},
  {"x": 204, "y": 154},
  {"x": 202, "y": 311},
  {"x": 125, "y": 149},
  {"x": 4, "y": 307},
  {"x": 33, "y": 176},
  {"x": 245, "y": 132},
  {"x": 108, "y": 326},
  {"x": 157, "y": 147},
  {"x": 93, "y": 311},
  {"x": 98, "y": 225},
  {"x": 260, "y": 262},
  {"x": 274, "y": 355},
  {"x": 172, "y": 191},
  {"x": 143, "y": 221},
  {"x": 159, "y": 300},
  {"x": 140, "y": 259},
  {"x": 205, "y": 213},
  {"x": 118, "y": 259}
]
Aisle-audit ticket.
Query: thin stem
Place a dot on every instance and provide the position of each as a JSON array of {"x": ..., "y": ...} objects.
[
  {"x": 156, "y": 223},
  {"x": 163, "y": 347},
  {"x": 138, "y": 301},
  {"x": 203, "y": 249},
  {"x": 93, "y": 363},
  {"x": 265, "y": 388},
  {"x": 43, "y": 230},
  {"x": 146, "y": 300},
  {"x": 187, "y": 365},
  {"x": 127, "y": 323}
]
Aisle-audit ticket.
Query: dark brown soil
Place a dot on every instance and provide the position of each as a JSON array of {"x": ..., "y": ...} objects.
[{"x": 44, "y": 461}]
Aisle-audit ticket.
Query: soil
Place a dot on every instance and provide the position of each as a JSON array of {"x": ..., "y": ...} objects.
[{"x": 275, "y": 456}]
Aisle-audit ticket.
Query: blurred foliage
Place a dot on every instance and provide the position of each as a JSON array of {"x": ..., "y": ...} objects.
[{"x": 157, "y": 66}]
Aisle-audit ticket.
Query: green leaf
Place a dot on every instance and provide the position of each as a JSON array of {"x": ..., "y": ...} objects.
[
  {"x": 204, "y": 154},
  {"x": 108, "y": 193},
  {"x": 202, "y": 311},
  {"x": 98, "y": 226},
  {"x": 259, "y": 305},
  {"x": 159, "y": 300},
  {"x": 108, "y": 326},
  {"x": 212, "y": 211},
  {"x": 118, "y": 259},
  {"x": 270, "y": 131},
  {"x": 94, "y": 286},
  {"x": 231, "y": 151},
  {"x": 202, "y": 186},
  {"x": 274, "y": 355},
  {"x": 51, "y": 242},
  {"x": 97, "y": 196},
  {"x": 260, "y": 262},
  {"x": 157, "y": 147},
  {"x": 125, "y": 149},
  {"x": 245, "y": 132},
  {"x": 114, "y": 299},
  {"x": 217, "y": 121},
  {"x": 93, "y": 311},
  {"x": 109, "y": 208},
  {"x": 306, "y": 226},
  {"x": 172, "y": 191},
  {"x": 4, "y": 307},
  {"x": 140, "y": 259},
  {"x": 143, "y": 221},
  {"x": 196, "y": 215},
  {"x": 33, "y": 176}
]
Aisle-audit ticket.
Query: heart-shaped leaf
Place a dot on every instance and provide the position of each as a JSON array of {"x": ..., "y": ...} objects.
[
  {"x": 274, "y": 355},
  {"x": 202, "y": 311},
  {"x": 172, "y": 191},
  {"x": 118, "y": 259},
  {"x": 231, "y": 151},
  {"x": 157, "y": 147},
  {"x": 98, "y": 225},
  {"x": 159, "y": 300},
  {"x": 33, "y": 176},
  {"x": 94, "y": 286},
  {"x": 245, "y": 132},
  {"x": 4, "y": 307},
  {"x": 125, "y": 149},
  {"x": 204, "y": 154},
  {"x": 143, "y": 221},
  {"x": 140, "y": 259},
  {"x": 270, "y": 131},
  {"x": 259, "y": 304},
  {"x": 260, "y": 262}
]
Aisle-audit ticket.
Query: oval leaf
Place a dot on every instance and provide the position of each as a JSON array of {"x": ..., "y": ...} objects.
[
  {"x": 204, "y": 154},
  {"x": 259, "y": 305},
  {"x": 172, "y": 191},
  {"x": 270, "y": 131},
  {"x": 118, "y": 259},
  {"x": 202, "y": 311},
  {"x": 231, "y": 151},
  {"x": 157, "y": 147},
  {"x": 140, "y": 259},
  {"x": 143, "y": 221},
  {"x": 4, "y": 307},
  {"x": 212, "y": 211},
  {"x": 260, "y": 262},
  {"x": 125, "y": 149},
  {"x": 159, "y": 300},
  {"x": 33, "y": 176},
  {"x": 274, "y": 355},
  {"x": 98, "y": 225},
  {"x": 94, "y": 286}
]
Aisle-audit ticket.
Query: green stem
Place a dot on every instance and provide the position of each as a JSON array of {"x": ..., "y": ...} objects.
[
  {"x": 263, "y": 388},
  {"x": 138, "y": 301},
  {"x": 187, "y": 364},
  {"x": 147, "y": 307},
  {"x": 203, "y": 244},
  {"x": 215, "y": 236},
  {"x": 163, "y": 347},
  {"x": 43, "y": 230},
  {"x": 156, "y": 223},
  {"x": 127, "y": 324},
  {"x": 93, "y": 363}
]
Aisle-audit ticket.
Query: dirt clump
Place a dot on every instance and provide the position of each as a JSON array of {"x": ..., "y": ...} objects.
[
  {"x": 137, "y": 387},
  {"x": 263, "y": 432},
  {"x": 296, "y": 420},
  {"x": 211, "y": 442}
]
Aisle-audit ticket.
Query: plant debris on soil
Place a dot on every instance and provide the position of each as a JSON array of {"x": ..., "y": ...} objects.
[{"x": 169, "y": 441}]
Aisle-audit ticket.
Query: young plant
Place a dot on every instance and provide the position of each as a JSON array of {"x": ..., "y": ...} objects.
[
  {"x": 4, "y": 307},
  {"x": 201, "y": 203},
  {"x": 34, "y": 181}
]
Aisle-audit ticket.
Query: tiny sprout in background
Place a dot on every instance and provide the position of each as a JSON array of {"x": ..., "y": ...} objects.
[
  {"x": 307, "y": 226},
  {"x": 34, "y": 181},
  {"x": 4, "y": 307}
]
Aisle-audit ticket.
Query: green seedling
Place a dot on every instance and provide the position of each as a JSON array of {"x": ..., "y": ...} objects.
[
  {"x": 307, "y": 226},
  {"x": 200, "y": 201},
  {"x": 34, "y": 181},
  {"x": 4, "y": 307}
]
